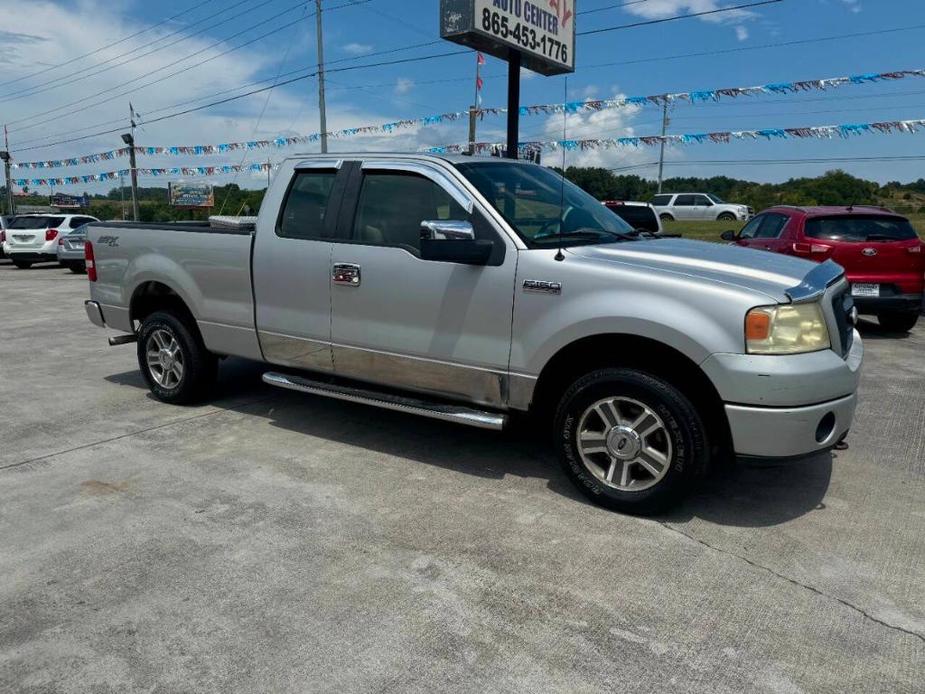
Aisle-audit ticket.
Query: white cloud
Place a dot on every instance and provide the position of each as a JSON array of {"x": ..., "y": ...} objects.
[
  {"x": 357, "y": 48},
  {"x": 660, "y": 9},
  {"x": 853, "y": 5},
  {"x": 742, "y": 32},
  {"x": 404, "y": 85}
]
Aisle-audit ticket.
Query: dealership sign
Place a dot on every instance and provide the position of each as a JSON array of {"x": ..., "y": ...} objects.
[
  {"x": 542, "y": 31},
  {"x": 191, "y": 194},
  {"x": 73, "y": 202}
]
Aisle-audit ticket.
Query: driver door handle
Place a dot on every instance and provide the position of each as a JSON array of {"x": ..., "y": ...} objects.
[{"x": 347, "y": 274}]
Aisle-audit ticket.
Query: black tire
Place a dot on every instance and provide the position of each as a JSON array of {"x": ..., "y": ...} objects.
[
  {"x": 665, "y": 217},
  {"x": 682, "y": 428},
  {"x": 199, "y": 366},
  {"x": 22, "y": 264},
  {"x": 726, "y": 217},
  {"x": 77, "y": 268},
  {"x": 898, "y": 322}
]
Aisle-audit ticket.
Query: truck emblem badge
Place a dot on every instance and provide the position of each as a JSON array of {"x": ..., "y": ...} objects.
[
  {"x": 542, "y": 287},
  {"x": 112, "y": 241},
  {"x": 869, "y": 251}
]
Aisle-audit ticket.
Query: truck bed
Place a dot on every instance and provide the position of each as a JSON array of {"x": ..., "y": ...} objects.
[{"x": 207, "y": 267}]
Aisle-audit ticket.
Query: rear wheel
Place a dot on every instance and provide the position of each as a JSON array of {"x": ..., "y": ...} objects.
[
  {"x": 76, "y": 268},
  {"x": 629, "y": 441},
  {"x": 22, "y": 264},
  {"x": 727, "y": 217},
  {"x": 898, "y": 322},
  {"x": 173, "y": 359}
]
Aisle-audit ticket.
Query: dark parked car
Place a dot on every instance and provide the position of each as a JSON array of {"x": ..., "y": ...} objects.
[{"x": 883, "y": 257}]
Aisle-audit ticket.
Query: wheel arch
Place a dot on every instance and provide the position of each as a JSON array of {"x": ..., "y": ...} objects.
[
  {"x": 634, "y": 351},
  {"x": 153, "y": 295}
]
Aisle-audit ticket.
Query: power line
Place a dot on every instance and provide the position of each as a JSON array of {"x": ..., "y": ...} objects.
[
  {"x": 612, "y": 7},
  {"x": 108, "y": 45},
  {"x": 82, "y": 74},
  {"x": 246, "y": 94},
  {"x": 650, "y": 22}
]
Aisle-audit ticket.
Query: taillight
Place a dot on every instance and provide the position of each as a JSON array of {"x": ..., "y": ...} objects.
[
  {"x": 2, "y": 237},
  {"x": 61, "y": 241},
  {"x": 811, "y": 248},
  {"x": 51, "y": 234},
  {"x": 88, "y": 258}
]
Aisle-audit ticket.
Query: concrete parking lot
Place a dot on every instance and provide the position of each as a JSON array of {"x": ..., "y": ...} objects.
[{"x": 270, "y": 541}]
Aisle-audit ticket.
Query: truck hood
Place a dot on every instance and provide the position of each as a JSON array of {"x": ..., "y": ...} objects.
[{"x": 772, "y": 274}]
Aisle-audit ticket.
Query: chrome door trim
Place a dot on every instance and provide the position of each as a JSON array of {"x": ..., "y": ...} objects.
[
  {"x": 427, "y": 171},
  {"x": 473, "y": 384},
  {"x": 298, "y": 352}
]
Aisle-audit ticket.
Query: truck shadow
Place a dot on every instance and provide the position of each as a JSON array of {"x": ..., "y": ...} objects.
[{"x": 742, "y": 496}]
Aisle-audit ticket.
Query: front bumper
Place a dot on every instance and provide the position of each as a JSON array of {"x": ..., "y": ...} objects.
[
  {"x": 764, "y": 432},
  {"x": 899, "y": 303}
]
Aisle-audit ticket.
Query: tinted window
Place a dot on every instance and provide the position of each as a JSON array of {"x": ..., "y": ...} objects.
[
  {"x": 306, "y": 205},
  {"x": 772, "y": 225},
  {"x": 80, "y": 221},
  {"x": 686, "y": 201},
  {"x": 393, "y": 205},
  {"x": 860, "y": 228},
  {"x": 637, "y": 216},
  {"x": 36, "y": 222},
  {"x": 661, "y": 200},
  {"x": 702, "y": 201},
  {"x": 751, "y": 229},
  {"x": 540, "y": 205}
]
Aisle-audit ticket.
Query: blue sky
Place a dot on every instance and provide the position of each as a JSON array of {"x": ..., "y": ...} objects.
[{"x": 38, "y": 35}]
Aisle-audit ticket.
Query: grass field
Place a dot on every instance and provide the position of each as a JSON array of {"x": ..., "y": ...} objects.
[{"x": 710, "y": 231}]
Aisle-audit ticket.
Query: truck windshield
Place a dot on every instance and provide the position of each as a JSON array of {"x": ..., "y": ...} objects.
[
  {"x": 860, "y": 228},
  {"x": 542, "y": 208}
]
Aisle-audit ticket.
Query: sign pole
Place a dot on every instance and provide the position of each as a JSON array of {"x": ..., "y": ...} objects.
[{"x": 513, "y": 103}]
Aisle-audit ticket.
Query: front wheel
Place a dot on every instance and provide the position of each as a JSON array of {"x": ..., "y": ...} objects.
[
  {"x": 173, "y": 359},
  {"x": 666, "y": 217},
  {"x": 629, "y": 440},
  {"x": 898, "y": 322},
  {"x": 727, "y": 217}
]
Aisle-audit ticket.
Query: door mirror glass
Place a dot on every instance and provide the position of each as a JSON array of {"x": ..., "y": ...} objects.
[
  {"x": 729, "y": 236},
  {"x": 447, "y": 229}
]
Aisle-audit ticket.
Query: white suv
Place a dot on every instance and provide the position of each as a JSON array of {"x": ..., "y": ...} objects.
[
  {"x": 33, "y": 238},
  {"x": 698, "y": 206}
]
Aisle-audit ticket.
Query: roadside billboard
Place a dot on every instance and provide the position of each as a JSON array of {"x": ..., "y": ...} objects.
[
  {"x": 542, "y": 31},
  {"x": 190, "y": 194},
  {"x": 69, "y": 202}
]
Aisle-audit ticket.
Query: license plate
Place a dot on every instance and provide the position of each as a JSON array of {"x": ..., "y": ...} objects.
[{"x": 863, "y": 289}]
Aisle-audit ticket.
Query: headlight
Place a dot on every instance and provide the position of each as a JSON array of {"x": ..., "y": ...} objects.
[{"x": 786, "y": 329}]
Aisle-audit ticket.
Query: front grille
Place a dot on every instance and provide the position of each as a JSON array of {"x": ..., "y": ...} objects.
[{"x": 842, "y": 308}]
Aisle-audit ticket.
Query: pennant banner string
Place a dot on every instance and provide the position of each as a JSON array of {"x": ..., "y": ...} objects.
[
  {"x": 818, "y": 132},
  {"x": 693, "y": 97}
]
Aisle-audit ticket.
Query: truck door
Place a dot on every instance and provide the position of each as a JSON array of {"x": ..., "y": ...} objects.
[
  {"x": 291, "y": 265},
  {"x": 402, "y": 321}
]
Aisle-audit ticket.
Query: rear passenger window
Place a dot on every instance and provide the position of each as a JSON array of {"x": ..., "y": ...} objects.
[
  {"x": 685, "y": 201},
  {"x": 393, "y": 205},
  {"x": 306, "y": 205}
]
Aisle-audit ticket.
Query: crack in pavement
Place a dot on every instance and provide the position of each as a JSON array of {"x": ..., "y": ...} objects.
[
  {"x": 793, "y": 581},
  {"x": 134, "y": 433}
]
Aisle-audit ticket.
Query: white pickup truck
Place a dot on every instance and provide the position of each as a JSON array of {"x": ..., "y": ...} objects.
[{"x": 470, "y": 290}]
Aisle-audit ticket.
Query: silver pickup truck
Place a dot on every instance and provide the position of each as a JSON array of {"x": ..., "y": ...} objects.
[{"x": 471, "y": 290}]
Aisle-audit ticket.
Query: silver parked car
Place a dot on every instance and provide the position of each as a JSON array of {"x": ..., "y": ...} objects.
[
  {"x": 71, "y": 250},
  {"x": 471, "y": 289},
  {"x": 703, "y": 206}
]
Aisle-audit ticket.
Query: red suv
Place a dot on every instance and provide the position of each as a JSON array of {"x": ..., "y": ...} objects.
[{"x": 883, "y": 257}]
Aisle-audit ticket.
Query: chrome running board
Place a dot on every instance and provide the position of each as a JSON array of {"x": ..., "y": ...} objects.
[{"x": 435, "y": 410}]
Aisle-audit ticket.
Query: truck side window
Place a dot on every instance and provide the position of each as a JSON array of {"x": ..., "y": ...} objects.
[
  {"x": 392, "y": 206},
  {"x": 305, "y": 205}
]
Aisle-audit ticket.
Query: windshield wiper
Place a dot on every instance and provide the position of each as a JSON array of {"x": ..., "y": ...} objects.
[{"x": 588, "y": 233}]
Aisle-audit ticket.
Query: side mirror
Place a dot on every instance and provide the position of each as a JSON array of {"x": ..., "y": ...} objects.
[
  {"x": 453, "y": 241},
  {"x": 729, "y": 236}
]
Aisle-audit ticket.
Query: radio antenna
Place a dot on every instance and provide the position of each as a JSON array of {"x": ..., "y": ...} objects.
[{"x": 560, "y": 256}]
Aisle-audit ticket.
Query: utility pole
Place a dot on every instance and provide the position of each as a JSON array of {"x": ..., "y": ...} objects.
[
  {"x": 129, "y": 139},
  {"x": 661, "y": 156},
  {"x": 268, "y": 173},
  {"x": 477, "y": 102},
  {"x": 5, "y": 155},
  {"x": 122, "y": 194},
  {"x": 319, "y": 38}
]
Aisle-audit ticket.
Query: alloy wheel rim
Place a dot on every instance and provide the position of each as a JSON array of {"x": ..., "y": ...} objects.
[
  {"x": 164, "y": 359},
  {"x": 624, "y": 444}
]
